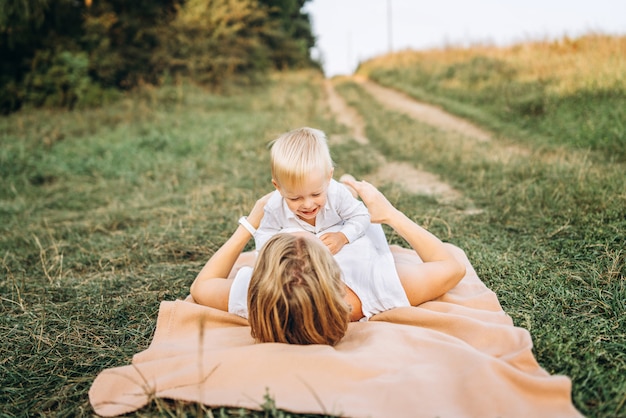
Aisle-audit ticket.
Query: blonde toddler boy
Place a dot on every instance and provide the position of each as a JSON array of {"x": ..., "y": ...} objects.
[{"x": 307, "y": 197}]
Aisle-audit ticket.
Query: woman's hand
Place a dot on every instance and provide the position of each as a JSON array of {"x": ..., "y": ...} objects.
[
  {"x": 438, "y": 272},
  {"x": 380, "y": 209},
  {"x": 256, "y": 214}
]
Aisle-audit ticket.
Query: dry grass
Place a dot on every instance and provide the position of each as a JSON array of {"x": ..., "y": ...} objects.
[
  {"x": 121, "y": 206},
  {"x": 568, "y": 92},
  {"x": 592, "y": 61}
]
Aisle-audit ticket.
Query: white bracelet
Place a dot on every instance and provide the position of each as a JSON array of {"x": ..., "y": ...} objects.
[{"x": 243, "y": 221}]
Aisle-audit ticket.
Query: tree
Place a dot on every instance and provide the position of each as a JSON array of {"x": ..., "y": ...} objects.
[
  {"x": 68, "y": 52},
  {"x": 292, "y": 42},
  {"x": 26, "y": 27},
  {"x": 212, "y": 40}
]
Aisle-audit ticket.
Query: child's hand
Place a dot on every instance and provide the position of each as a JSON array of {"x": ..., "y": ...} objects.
[{"x": 334, "y": 241}]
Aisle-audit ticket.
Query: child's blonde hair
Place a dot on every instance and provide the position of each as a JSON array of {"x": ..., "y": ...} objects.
[
  {"x": 296, "y": 295},
  {"x": 297, "y": 153}
]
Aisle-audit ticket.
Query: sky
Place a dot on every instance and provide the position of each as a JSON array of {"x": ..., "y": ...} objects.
[{"x": 351, "y": 31}]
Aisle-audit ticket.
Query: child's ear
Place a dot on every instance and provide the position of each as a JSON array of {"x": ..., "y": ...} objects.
[
  {"x": 275, "y": 183},
  {"x": 332, "y": 171}
]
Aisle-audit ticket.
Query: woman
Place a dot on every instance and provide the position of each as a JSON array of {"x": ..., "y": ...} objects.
[{"x": 295, "y": 290}]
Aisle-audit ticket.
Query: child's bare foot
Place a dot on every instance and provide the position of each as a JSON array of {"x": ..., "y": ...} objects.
[{"x": 349, "y": 177}]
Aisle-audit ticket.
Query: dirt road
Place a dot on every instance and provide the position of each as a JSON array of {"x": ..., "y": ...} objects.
[
  {"x": 424, "y": 112},
  {"x": 406, "y": 176}
]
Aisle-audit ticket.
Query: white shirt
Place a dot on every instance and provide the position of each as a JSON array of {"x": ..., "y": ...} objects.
[
  {"x": 341, "y": 213},
  {"x": 366, "y": 262},
  {"x": 367, "y": 267}
]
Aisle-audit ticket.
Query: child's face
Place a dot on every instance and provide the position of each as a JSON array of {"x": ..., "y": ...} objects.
[{"x": 307, "y": 199}]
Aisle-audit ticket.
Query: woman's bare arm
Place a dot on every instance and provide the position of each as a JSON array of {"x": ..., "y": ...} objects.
[
  {"x": 205, "y": 290},
  {"x": 438, "y": 273}
]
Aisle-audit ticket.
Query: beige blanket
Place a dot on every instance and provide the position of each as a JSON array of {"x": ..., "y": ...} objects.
[{"x": 457, "y": 356}]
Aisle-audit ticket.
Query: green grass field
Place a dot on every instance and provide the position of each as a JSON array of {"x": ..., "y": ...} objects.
[
  {"x": 106, "y": 212},
  {"x": 568, "y": 92}
]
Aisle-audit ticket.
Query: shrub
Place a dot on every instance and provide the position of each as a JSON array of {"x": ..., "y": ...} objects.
[{"x": 57, "y": 78}]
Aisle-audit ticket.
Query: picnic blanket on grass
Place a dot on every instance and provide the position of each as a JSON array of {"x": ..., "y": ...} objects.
[{"x": 457, "y": 356}]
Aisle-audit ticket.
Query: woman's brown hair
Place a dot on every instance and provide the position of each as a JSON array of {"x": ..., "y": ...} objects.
[{"x": 296, "y": 295}]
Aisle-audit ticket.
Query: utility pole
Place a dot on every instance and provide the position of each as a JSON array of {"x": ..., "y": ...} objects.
[
  {"x": 389, "y": 28},
  {"x": 349, "y": 52}
]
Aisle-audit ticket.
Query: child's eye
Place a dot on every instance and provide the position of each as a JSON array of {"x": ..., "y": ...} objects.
[{"x": 317, "y": 194}]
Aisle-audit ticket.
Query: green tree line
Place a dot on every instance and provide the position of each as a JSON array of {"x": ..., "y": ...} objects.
[{"x": 68, "y": 53}]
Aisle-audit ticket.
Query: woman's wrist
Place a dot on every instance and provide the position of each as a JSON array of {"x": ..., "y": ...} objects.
[
  {"x": 397, "y": 220},
  {"x": 254, "y": 218},
  {"x": 392, "y": 217},
  {"x": 243, "y": 221}
]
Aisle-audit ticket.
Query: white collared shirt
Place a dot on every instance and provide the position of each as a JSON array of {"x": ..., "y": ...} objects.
[
  {"x": 367, "y": 268},
  {"x": 341, "y": 213}
]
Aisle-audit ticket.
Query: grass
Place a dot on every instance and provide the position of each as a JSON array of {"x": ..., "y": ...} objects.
[
  {"x": 566, "y": 92},
  {"x": 551, "y": 241},
  {"x": 104, "y": 213}
]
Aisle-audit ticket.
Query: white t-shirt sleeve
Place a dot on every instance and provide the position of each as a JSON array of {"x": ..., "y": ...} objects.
[{"x": 238, "y": 296}]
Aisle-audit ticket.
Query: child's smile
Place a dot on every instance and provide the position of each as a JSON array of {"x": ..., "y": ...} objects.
[{"x": 305, "y": 200}]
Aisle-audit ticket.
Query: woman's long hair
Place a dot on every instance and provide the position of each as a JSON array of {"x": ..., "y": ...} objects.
[{"x": 296, "y": 294}]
